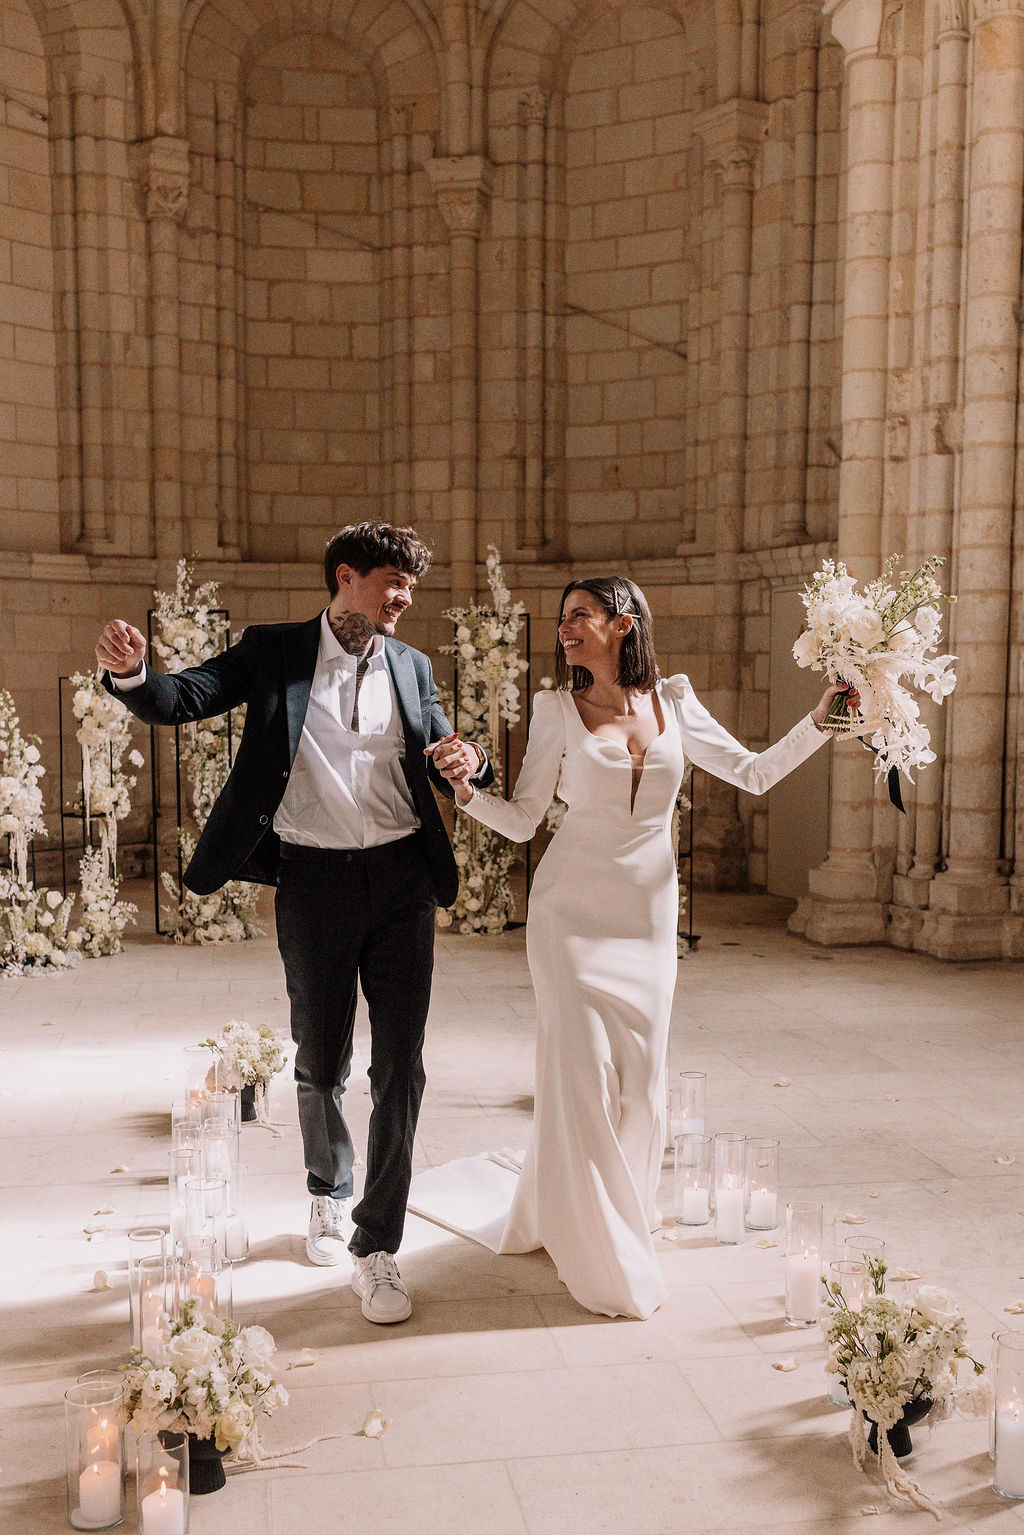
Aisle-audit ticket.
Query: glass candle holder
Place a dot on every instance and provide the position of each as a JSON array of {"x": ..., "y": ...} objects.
[
  {"x": 143, "y": 1242},
  {"x": 186, "y": 1127},
  {"x": 206, "y": 1279},
  {"x": 1008, "y": 1480},
  {"x": 992, "y": 1410},
  {"x": 94, "y": 1427},
  {"x": 864, "y": 1249},
  {"x": 114, "y": 1380},
  {"x": 762, "y": 1183},
  {"x": 183, "y": 1163},
  {"x": 206, "y": 1209},
  {"x": 687, "y": 1105},
  {"x": 162, "y": 1484},
  {"x": 692, "y": 1179},
  {"x": 223, "y": 1106},
  {"x": 236, "y": 1226},
  {"x": 201, "y": 1077},
  {"x": 803, "y": 1264},
  {"x": 729, "y": 1221},
  {"x": 154, "y": 1277},
  {"x": 219, "y": 1150},
  {"x": 849, "y": 1276}
]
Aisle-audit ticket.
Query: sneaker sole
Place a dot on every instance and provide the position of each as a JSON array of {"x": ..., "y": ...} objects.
[
  {"x": 381, "y": 1321},
  {"x": 326, "y": 1263}
]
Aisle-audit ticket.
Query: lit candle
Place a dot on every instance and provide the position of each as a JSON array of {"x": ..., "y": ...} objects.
[
  {"x": 1009, "y": 1472},
  {"x": 152, "y": 1336},
  {"x": 163, "y": 1512},
  {"x": 696, "y": 1207},
  {"x": 236, "y": 1238},
  {"x": 729, "y": 1225},
  {"x": 803, "y": 1283},
  {"x": 763, "y": 1213},
  {"x": 99, "y": 1492},
  {"x": 102, "y": 1439}
]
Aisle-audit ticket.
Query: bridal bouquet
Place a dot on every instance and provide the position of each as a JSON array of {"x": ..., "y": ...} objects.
[
  {"x": 891, "y": 1355},
  {"x": 882, "y": 642},
  {"x": 212, "y": 1381},
  {"x": 253, "y": 1055}
]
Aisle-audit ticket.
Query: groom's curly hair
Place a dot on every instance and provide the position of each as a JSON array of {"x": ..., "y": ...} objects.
[
  {"x": 367, "y": 546},
  {"x": 638, "y": 664}
]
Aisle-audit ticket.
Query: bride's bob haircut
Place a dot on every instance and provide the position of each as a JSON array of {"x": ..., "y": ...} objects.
[{"x": 638, "y": 665}]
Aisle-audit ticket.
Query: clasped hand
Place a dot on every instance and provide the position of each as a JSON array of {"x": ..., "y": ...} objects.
[{"x": 455, "y": 761}]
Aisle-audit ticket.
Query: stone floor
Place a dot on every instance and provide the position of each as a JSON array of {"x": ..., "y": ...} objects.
[{"x": 509, "y": 1408}]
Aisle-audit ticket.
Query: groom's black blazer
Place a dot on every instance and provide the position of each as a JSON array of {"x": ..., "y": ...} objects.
[{"x": 270, "y": 670}]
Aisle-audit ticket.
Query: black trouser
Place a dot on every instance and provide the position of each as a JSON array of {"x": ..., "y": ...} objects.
[{"x": 345, "y": 918}]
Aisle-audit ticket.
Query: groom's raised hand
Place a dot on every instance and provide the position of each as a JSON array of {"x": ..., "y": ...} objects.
[
  {"x": 121, "y": 649},
  {"x": 455, "y": 760}
]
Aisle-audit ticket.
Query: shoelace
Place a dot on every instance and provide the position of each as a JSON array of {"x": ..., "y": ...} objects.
[
  {"x": 384, "y": 1270},
  {"x": 330, "y": 1218}
]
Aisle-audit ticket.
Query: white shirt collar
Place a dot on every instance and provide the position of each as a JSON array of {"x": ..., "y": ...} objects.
[{"x": 330, "y": 650}]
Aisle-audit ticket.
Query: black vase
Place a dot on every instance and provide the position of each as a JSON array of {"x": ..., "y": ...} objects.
[
  {"x": 248, "y": 1103},
  {"x": 205, "y": 1466},
  {"x": 899, "y": 1435}
]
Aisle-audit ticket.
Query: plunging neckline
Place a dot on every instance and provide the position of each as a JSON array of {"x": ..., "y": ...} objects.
[{"x": 636, "y": 778}]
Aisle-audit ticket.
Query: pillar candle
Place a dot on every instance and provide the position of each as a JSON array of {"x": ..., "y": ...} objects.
[
  {"x": 99, "y": 1492},
  {"x": 696, "y": 1209},
  {"x": 1009, "y": 1474},
  {"x": 803, "y": 1282},
  {"x": 163, "y": 1512},
  {"x": 763, "y": 1211},
  {"x": 729, "y": 1225}
]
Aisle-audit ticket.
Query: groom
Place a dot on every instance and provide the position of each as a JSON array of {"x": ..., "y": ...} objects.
[{"x": 329, "y": 799}]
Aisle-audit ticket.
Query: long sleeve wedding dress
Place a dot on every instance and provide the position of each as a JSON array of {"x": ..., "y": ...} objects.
[{"x": 601, "y": 944}]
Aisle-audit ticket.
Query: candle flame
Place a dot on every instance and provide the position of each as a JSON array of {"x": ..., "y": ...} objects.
[{"x": 163, "y": 1492}]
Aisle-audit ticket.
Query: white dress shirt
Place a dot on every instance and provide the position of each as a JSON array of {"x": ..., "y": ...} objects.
[{"x": 347, "y": 788}]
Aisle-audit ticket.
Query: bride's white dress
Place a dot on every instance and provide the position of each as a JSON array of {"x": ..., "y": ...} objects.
[{"x": 601, "y": 943}]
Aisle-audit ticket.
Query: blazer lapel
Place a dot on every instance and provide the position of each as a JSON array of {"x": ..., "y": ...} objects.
[
  {"x": 300, "y": 664},
  {"x": 403, "y": 674}
]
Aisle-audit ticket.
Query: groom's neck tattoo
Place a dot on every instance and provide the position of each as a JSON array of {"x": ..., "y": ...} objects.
[{"x": 353, "y": 631}]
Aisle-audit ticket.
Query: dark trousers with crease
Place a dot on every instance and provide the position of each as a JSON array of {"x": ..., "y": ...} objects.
[{"x": 345, "y": 920}]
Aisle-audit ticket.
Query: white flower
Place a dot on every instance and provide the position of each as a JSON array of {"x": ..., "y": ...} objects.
[
  {"x": 936, "y": 1305},
  {"x": 194, "y": 1349},
  {"x": 32, "y": 754},
  {"x": 9, "y": 824},
  {"x": 53, "y": 899},
  {"x": 865, "y": 627},
  {"x": 806, "y": 651},
  {"x": 136, "y": 758},
  {"x": 233, "y": 1424}
]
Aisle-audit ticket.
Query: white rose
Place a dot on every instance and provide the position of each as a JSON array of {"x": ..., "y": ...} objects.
[
  {"x": 31, "y": 753},
  {"x": 806, "y": 651},
  {"x": 904, "y": 638},
  {"x": 53, "y": 899},
  {"x": 865, "y": 627},
  {"x": 936, "y": 1305},
  {"x": 233, "y": 1424},
  {"x": 136, "y": 759},
  {"x": 193, "y": 1349},
  {"x": 927, "y": 619},
  {"x": 46, "y": 919}
]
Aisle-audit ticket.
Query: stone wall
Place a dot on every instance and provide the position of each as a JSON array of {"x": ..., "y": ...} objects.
[{"x": 695, "y": 291}]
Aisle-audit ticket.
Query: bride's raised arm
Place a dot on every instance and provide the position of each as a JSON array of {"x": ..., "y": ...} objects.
[
  {"x": 519, "y": 817},
  {"x": 710, "y": 746}
]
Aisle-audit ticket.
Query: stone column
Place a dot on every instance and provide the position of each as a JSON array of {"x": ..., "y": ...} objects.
[
  {"x": 969, "y": 899},
  {"x": 943, "y": 429},
  {"x": 731, "y": 133},
  {"x": 556, "y": 381},
  {"x": 401, "y": 313},
  {"x": 85, "y": 126},
  {"x": 166, "y": 180},
  {"x": 844, "y": 904},
  {"x": 462, "y": 186},
  {"x": 793, "y": 525},
  {"x": 532, "y": 535},
  {"x": 228, "y": 424}
]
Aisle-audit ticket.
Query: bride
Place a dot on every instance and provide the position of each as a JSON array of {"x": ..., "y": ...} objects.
[{"x": 601, "y": 932}]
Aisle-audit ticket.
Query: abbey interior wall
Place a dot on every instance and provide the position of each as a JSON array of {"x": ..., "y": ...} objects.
[{"x": 695, "y": 292}]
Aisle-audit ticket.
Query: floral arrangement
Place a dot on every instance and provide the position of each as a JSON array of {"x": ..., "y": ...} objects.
[
  {"x": 189, "y": 629},
  {"x": 891, "y": 1353},
  {"x": 489, "y": 668},
  {"x": 252, "y": 1055},
  {"x": 104, "y": 917},
  {"x": 104, "y": 735},
  {"x": 21, "y": 799},
  {"x": 212, "y": 1382},
  {"x": 872, "y": 640},
  {"x": 34, "y": 924}
]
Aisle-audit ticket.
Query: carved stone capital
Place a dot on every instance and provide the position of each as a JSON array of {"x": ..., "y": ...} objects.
[
  {"x": 952, "y": 18},
  {"x": 533, "y": 106},
  {"x": 462, "y": 186},
  {"x": 856, "y": 25},
  {"x": 731, "y": 134},
  {"x": 165, "y": 178},
  {"x": 986, "y": 10}
]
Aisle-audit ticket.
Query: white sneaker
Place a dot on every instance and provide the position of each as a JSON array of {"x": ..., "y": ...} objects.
[
  {"x": 326, "y": 1242},
  {"x": 379, "y": 1285}
]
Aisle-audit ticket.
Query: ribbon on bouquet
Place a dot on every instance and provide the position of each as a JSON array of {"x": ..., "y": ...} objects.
[{"x": 892, "y": 777}]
